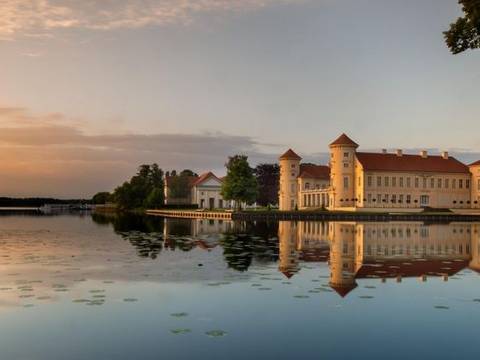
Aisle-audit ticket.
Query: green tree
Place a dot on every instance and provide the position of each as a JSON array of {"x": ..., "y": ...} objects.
[
  {"x": 101, "y": 198},
  {"x": 268, "y": 178},
  {"x": 155, "y": 199},
  {"x": 134, "y": 193},
  {"x": 464, "y": 34},
  {"x": 240, "y": 184}
]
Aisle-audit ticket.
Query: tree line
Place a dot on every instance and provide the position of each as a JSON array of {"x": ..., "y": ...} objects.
[{"x": 243, "y": 184}]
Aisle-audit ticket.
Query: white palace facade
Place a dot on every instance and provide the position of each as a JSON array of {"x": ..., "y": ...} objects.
[{"x": 365, "y": 181}]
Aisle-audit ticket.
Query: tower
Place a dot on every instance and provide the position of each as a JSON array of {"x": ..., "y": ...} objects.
[
  {"x": 289, "y": 171},
  {"x": 342, "y": 172}
]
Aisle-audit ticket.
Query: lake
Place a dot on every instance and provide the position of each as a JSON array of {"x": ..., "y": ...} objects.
[{"x": 97, "y": 286}]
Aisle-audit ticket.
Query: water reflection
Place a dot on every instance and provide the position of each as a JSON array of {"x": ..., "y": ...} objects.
[
  {"x": 352, "y": 250},
  {"x": 356, "y": 250}
]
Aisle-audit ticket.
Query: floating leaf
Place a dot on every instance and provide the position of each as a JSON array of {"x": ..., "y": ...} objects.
[
  {"x": 216, "y": 333},
  {"x": 180, "y": 331},
  {"x": 442, "y": 307},
  {"x": 179, "y": 315},
  {"x": 130, "y": 300}
]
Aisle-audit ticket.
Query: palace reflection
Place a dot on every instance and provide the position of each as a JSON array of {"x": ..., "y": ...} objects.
[{"x": 356, "y": 250}]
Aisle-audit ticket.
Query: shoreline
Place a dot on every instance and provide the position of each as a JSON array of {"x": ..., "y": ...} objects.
[{"x": 316, "y": 216}]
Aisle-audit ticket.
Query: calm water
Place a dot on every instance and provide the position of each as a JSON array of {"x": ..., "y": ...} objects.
[{"x": 102, "y": 287}]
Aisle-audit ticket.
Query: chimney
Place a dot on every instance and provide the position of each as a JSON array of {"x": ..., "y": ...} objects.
[
  {"x": 445, "y": 155},
  {"x": 424, "y": 154},
  {"x": 399, "y": 152},
  {"x": 384, "y": 151}
]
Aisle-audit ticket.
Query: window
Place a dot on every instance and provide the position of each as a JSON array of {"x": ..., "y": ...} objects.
[
  {"x": 394, "y": 181},
  {"x": 293, "y": 166},
  {"x": 460, "y": 183},
  {"x": 417, "y": 182},
  {"x": 467, "y": 184},
  {"x": 400, "y": 199},
  {"x": 409, "y": 182},
  {"x": 307, "y": 186},
  {"x": 345, "y": 155},
  {"x": 345, "y": 165},
  {"x": 447, "y": 183},
  {"x": 369, "y": 181},
  {"x": 424, "y": 183},
  {"x": 379, "y": 181},
  {"x": 454, "y": 183},
  {"x": 369, "y": 198},
  {"x": 379, "y": 198},
  {"x": 424, "y": 200},
  {"x": 359, "y": 181},
  {"x": 439, "y": 183},
  {"x": 409, "y": 199},
  {"x": 345, "y": 182},
  {"x": 432, "y": 183},
  {"x": 386, "y": 181},
  {"x": 401, "y": 181},
  {"x": 394, "y": 199},
  {"x": 385, "y": 198},
  {"x": 292, "y": 188}
]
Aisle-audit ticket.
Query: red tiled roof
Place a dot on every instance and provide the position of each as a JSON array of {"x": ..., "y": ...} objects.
[
  {"x": 475, "y": 163},
  {"x": 204, "y": 177},
  {"x": 314, "y": 172},
  {"x": 411, "y": 268},
  {"x": 290, "y": 155},
  {"x": 344, "y": 140},
  {"x": 416, "y": 163}
]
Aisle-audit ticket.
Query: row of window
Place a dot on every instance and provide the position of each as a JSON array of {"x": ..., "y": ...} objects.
[
  {"x": 431, "y": 183},
  {"x": 401, "y": 199},
  {"x": 317, "y": 186}
]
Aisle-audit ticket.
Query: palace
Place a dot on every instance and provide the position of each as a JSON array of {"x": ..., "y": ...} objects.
[{"x": 363, "y": 181}]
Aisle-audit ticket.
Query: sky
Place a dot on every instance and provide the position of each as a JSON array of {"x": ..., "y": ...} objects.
[{"x": 91, "y": 89}]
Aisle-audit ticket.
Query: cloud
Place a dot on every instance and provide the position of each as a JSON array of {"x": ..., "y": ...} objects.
[
  {"x": 50, "y": 155},
  {"x": 30, "y": 17}
]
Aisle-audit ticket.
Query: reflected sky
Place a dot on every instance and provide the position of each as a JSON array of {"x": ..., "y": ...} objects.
[{"x": 123, "y": 287}]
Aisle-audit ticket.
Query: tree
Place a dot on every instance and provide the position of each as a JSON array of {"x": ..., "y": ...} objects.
[
  {"x": 188, "y": 172},
  {"x": 101, "y": 198},
  {"x": 134, "y": 193},
  {"x": 268, "y": 178},
  {"x": 464, "y": 34},
  {"x": 155, "y": 199},
  {"x": 240, "y": 184}
]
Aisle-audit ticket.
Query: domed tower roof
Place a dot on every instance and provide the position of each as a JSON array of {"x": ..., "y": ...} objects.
[
  {"x": 344, "y": 140},
  {"x": 290, "y": 155}
]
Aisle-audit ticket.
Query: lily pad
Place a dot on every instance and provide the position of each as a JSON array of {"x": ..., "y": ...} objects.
[
  {"x": 216, "y": 333},
  {"x": 130, "y": 300},
  {"x": 442, "y": 307},
  {"x": 180, "y": 331},
  {"x": 179, "y": 315}
]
